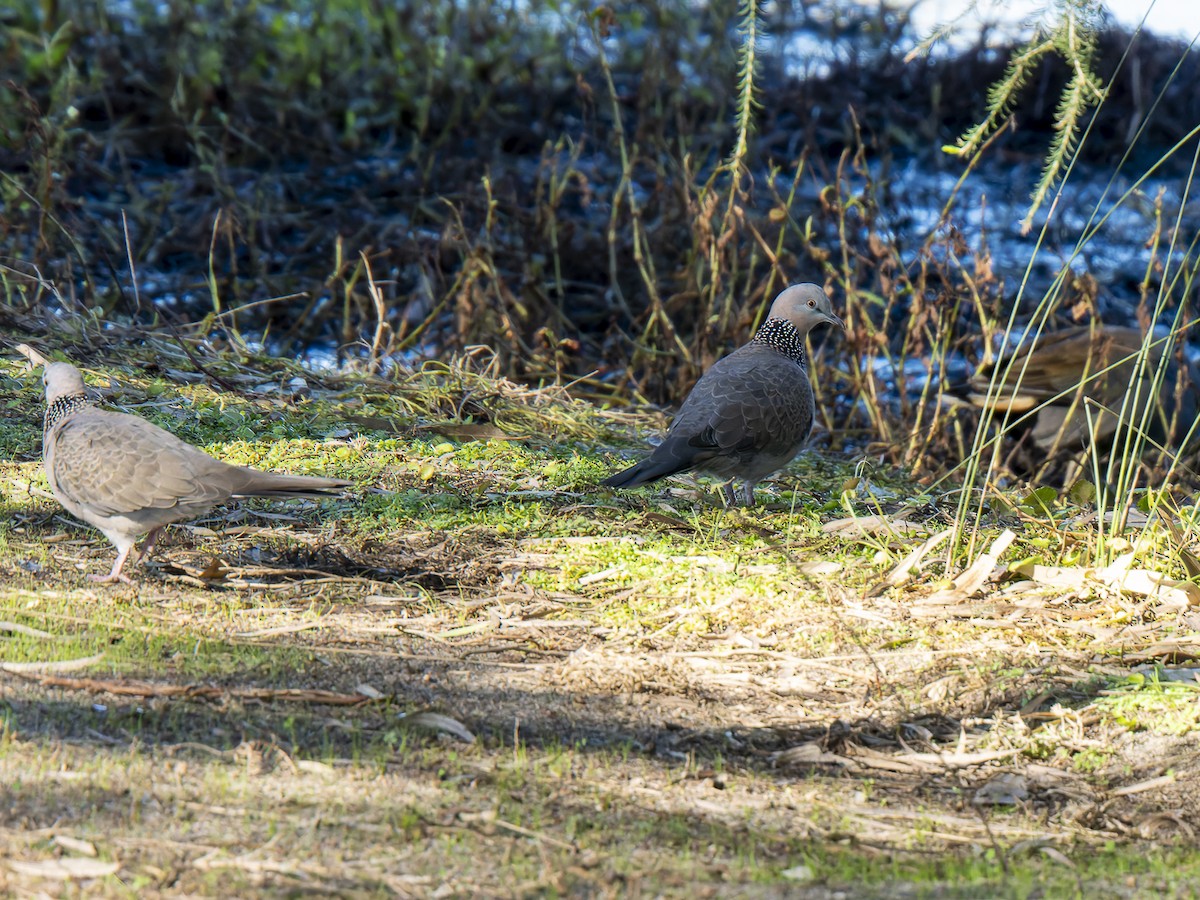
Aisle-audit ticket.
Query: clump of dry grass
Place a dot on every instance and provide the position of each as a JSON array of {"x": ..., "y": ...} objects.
[{"x": 563, "y": 204}]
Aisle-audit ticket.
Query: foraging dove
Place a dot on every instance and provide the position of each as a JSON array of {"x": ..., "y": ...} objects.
[
  {"x": 126, "y": 476},
  {"x": 1084, "y": 376},
  {"x": 752, "y": 411}
]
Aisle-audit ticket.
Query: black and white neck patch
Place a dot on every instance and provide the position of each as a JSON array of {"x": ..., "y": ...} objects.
[
  {"x": 63, "y": 407},
  {"x": 782, "y": 337}
]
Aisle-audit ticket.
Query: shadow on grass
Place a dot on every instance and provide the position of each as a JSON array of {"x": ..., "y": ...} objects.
[
  {"x": 213, "y": 799},
  {"x": 578, "y": 792},
  {"x": 250, "y": 694}
]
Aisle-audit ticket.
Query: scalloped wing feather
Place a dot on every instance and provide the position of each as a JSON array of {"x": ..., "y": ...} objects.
[{"x": 117, "y": 464}]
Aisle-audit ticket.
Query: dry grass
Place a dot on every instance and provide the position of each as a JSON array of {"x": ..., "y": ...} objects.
[{"x": 642, "y": 694}]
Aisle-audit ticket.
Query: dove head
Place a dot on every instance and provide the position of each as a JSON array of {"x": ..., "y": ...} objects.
[
  {"x": 61, "y": 380},
  {"x": 805, "y": 306}
]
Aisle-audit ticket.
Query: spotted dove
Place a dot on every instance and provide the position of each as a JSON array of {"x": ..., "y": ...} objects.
[
  {"x": 750, "y": 414},
  {"x": 127, "y": 477},
  {"x": 1079, "y": 380}
]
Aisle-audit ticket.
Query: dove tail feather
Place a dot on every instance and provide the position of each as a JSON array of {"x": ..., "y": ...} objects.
[
  {"x": 651, "y": 469},
  {"x": 271, "y": 484}
]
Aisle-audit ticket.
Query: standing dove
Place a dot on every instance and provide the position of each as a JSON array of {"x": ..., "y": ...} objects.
[
  {"x": 127, "y": 477},
  {"x": 750, "y": 413}
]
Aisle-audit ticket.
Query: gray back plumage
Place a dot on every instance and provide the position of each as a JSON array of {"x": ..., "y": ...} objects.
[{"x": 753, "y": 410}]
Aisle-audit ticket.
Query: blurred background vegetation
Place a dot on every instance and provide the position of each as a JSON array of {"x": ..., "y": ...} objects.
[{"x": 606, "y": 195}]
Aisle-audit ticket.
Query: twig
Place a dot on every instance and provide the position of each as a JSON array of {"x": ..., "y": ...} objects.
[
  {"x": 191, "y": 691},
  {"x": 17, "y": 628}
]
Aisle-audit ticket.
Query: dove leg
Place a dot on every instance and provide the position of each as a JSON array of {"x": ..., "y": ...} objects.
[
  {"x": 115, "y": 574},
  {"x": 748, "y": 493},
  {"x": 728, "y": 494},
  {"x": 148, "y": 545}
]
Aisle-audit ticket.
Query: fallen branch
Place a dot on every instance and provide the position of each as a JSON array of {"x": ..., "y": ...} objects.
[
  {"x": 31, "y": 669},
  {"x": 194, "y": 691},
  {"x": 18, "y": 628}
]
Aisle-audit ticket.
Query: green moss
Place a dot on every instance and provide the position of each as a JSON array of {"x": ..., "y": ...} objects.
[{"x": 1141, "y": 703}]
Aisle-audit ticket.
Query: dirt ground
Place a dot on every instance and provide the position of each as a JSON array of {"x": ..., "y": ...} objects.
[{"x": 362, "y": 736}]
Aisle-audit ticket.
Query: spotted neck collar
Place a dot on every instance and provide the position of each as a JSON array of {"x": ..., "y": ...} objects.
[
  {"x": 63, "y": 407},
  {"x": 782, "y": 337}
]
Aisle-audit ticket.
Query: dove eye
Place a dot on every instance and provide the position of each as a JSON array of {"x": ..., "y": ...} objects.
[{"x": 812, "y": 304}]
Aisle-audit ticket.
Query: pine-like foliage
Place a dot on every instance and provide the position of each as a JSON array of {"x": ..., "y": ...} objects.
[
  {"x": 748, "y": 28},
  {"x": 1069, "y": 29}
]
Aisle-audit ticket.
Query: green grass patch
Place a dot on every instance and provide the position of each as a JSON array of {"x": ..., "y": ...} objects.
[
  {"x": 662, "y": 692},
  {"x": 1145, "y": 703}
]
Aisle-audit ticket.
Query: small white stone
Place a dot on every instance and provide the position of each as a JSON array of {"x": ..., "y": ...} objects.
[{"x": 798, "y": 873}]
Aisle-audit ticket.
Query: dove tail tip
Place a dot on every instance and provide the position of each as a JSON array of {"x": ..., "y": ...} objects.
[{"x": 641, "y": 473}]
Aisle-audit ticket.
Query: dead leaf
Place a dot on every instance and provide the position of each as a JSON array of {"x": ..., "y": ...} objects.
[
  {"x": 860, "y": 526},
  {"x": 669, "y": 521},
  {"x": 1180, "y": 675},
  {"x": 810, "y": 754},
  {"x": 471, "y": 431},
  {"x": 438, "y": 722},
  {"x": 819, "y": 567},
  {"x": 1069, "y": 579},
  {"x": 312, "y": 767},
  {"x": 972, "y": 579},
  {"x": 65, "y": 665},
  {"x": 593, "y": 577},
  {"x": 1167, "y": 823},
  {"x": 1118, "y": 576},
  {"x": 798, "y": 873},
  {"x": 134, "y": 688},
  {"x": 377, "y": 423},
  {"x": 35, "y": 359},
  {"x": 214, "y": 571},
  {"x": 18, "y": 628},
  {"x": 1151, "y": 784},
  {"x": 908, "y": 565},
  {"x": 1191, "y": 564},
  {"x": 1178, "y": 595},
  {"x": 86, "y": 848},
  {"x": 1056, "y": 855}
]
